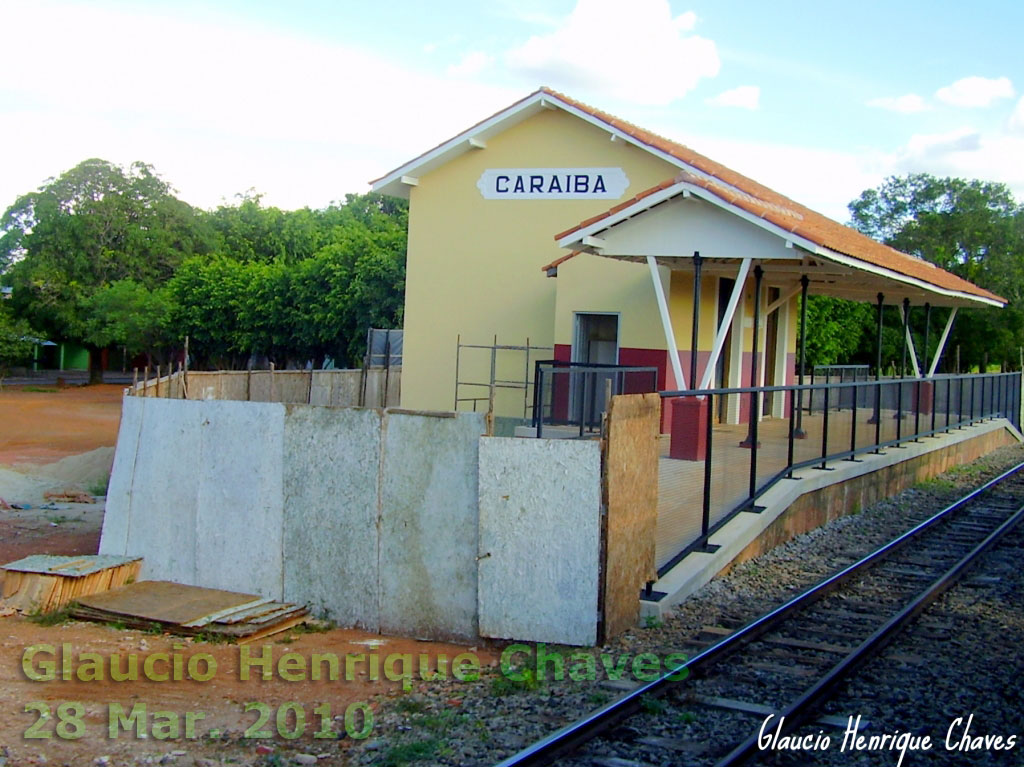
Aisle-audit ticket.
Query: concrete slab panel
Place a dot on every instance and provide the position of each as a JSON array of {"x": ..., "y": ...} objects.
[
  {"x": 428, "y": 525},
  {"x": 540, "y": 517},
  {"x": 114, "y": 536},
  {"x": 239, "y": 514},
  {"x": 164, "y": 489},
  {"x": 331, "y": 466}
]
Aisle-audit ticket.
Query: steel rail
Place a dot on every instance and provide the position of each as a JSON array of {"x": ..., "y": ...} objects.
[
  {"x": 568, "y": 738},
  {"x": 802, "y": 709}
]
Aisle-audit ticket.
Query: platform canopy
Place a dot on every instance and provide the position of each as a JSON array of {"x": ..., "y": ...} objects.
[{"x": 729, "y": 219}]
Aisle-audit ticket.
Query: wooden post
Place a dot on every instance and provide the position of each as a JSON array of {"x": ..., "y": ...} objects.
[
  {"x": 248, "y": 384},
  {"x": 273, "y": 393},
  {"x": 184, "y": 375},
  {"x": 157, "y": 380},
  {"x": 135, "y": 382},
  {"x": 145, "y": 382},
  {"x": 309, "y": 388}
]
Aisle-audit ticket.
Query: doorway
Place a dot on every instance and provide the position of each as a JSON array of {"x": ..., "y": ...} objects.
[
  {"x": 771, "y": 349},
  {"x": 596, "y": 342},
  {"x": 723, "y": 368}
]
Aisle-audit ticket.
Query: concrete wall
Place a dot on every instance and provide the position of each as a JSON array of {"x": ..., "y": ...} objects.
[
  {"x": 540, "y": 539},
  {"x": 368, "y": 516}
]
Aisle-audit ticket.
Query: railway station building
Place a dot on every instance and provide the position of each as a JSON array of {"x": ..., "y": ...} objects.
[{"x": 491, "y": 289}]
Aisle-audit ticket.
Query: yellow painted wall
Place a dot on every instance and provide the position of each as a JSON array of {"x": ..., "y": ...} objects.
[{"x": 474, "y": 265}]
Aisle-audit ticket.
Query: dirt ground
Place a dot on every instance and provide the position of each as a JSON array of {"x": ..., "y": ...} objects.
[
  {"x": 64, "y": 440},
  {"x": 39, "y": 427}
]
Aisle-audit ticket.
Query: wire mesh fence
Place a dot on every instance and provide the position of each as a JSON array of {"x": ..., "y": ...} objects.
[{"x": 712, "y": 469}]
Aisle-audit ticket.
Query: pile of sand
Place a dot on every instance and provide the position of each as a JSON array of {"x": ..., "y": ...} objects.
[{"x": 88, "y": 472}]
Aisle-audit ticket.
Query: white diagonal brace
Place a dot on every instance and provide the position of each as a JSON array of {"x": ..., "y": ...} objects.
[
  {"x": 942, "y": 344},
  {"x": 913, "y": 352},
  {"x": 666, "y": 324},
  {"x": 723, "y": 329}
]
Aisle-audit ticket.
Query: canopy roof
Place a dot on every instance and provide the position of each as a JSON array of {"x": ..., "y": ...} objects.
[{"x": 726, "y": 222}]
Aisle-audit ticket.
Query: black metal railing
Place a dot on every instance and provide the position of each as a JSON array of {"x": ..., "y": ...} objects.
[
  {"x": 575, "y": 394},
  {"x": 851, "y": 418},
  {"x": 834, "y": 374}
]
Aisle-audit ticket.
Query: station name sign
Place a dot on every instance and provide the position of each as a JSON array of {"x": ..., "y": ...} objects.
[{"x": 552, "y": 183}]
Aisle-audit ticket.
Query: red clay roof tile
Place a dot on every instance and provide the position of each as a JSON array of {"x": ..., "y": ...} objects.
[{"x": 759, "y": 200}]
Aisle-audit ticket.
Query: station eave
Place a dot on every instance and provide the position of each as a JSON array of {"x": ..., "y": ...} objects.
[{"x": 803, "y": 230}]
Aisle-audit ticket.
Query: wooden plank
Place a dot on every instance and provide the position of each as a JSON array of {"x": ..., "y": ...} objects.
[
  {"x": 166, "y": 602},
  {"x": 630, "y": 489},
  {"x": 69, "y": 566},
  {"x": 760, "y": 709},
  {"x": 227, "y": 611},
  {"x": 673, "y": 744},
  {"x": 32, "y": 588}
]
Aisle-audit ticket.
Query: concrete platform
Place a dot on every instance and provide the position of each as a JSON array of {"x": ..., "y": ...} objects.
[{"x": 814, "y": 496}]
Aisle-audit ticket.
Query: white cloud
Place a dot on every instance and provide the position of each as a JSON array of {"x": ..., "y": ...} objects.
[
  {"x": 217, "y": 106},
  {"x": 1016, "y": 122},
  {"x": 472, "y": 63},
  {"x": 931, "y": 145},
  {"x": 965, "y": 153},
  {"x": 744, "y": 97},
  {"x": 911, "y": 103},
  {"x": 639, "y": 54},
  {"x": 975, "y": 91},
  {"x": 825, "y": 180}
]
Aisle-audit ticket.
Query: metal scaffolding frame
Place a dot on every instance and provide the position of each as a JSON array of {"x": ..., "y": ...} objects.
[{"x": 495, "y": 383}]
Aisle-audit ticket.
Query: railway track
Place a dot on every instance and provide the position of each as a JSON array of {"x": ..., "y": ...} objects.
[{"x": 787, "y": 662}]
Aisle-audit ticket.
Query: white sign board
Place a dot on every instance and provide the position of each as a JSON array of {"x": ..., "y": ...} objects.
[{"x": 552, "y": 183}]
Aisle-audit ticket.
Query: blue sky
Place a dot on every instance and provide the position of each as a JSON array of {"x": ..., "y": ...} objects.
[{"x": 306, "y": 101}]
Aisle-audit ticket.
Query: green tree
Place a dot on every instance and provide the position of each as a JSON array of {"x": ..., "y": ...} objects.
[
  {"x": 974, "y": 229},
  {"x": 15, "y": 342},
  {"x": 94, "y": 225},
  {"x": 207, "y": 296},
  {"x": 128, "y": 314}
]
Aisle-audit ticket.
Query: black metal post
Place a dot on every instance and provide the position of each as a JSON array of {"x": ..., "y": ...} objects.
[
  {"x": 583, "y": 399},
  {"x": 876, "y": 419},
  {"x": 697, "y": 263},
  {"x": 917, "y": 410},
  {"x": 853, "y": 423},
  {"x": 706, "y": 509},
  {"x": 903, "y": 370},
  {"x": 984, "y": 385},
  {"x": 959, "y": 402},
  {"x": 824, "y": 430},
  {"x": 935, "y": 400},
  {"x": 755, "y": 416},
  {"x": 973, "y": 379},
  {"x": 927, "y": 329},
  {"x": 949, "y": 396},
  {"x": 800, "y": 433},
  {"x": 792, "y": 432},
  {"x": 538, "y": 395}
]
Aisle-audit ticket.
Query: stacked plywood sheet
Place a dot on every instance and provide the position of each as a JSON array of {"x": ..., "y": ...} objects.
[
  {"x": 191, "y": 610},
  {"x": 42, "y": 583}
]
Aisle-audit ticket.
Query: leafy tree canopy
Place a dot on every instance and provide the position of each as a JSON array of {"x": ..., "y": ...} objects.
[
  {"x": 15, "y": 341},
  {"x": 108, "y": 255},
  {"x": 92, "y": 226},
  {"x": 974, "y": 229}
]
